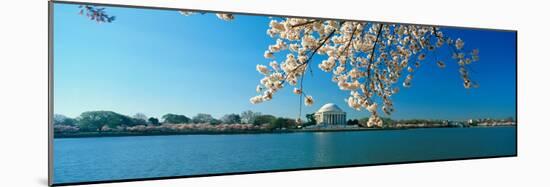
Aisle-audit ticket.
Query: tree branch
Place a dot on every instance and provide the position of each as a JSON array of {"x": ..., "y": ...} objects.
[
  {"x": 373, "y": 50},
  {"x": 304, "y": 23},
  {"x": 305, "y": 63}
]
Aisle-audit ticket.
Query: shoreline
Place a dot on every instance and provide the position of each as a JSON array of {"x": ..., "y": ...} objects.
[{"x": 125, "y": 134}]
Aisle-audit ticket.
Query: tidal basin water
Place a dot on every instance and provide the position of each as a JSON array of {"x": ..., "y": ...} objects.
[{"x": 112, "y": 158}]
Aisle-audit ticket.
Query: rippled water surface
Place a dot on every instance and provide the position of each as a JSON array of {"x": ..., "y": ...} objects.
[{"x": 112, "y": 158}]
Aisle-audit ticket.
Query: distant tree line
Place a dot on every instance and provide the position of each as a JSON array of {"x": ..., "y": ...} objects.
[
  {"x": 247, "y": 121},
  {"x": 98, "y": 121}
]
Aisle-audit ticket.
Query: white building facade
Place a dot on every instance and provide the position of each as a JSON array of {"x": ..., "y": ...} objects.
[{"x": 330, "y": 114}]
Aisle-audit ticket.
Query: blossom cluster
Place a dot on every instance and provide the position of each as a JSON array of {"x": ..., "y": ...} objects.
[{"x": 366, "y": 59}]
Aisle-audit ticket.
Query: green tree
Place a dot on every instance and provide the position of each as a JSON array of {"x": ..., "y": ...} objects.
[
  {"x": 263, "y": 119},
  {"x": 214, "y": 121},
  {"x": 279, "y": 123},
  {"x": 203, "y": 118},
  {"x": 94, "y": 120},
  {"x": 153, "y": 121},
  {"x": 175, "y": 119},
  {"x": 352, "y": 122},
  {"x": 136, "y": 121},
  {"x": 231, "y": 119},
  {"x": 310, "y": 119}
]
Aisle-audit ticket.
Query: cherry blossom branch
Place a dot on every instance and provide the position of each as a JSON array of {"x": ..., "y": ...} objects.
[
  {"x": 372, "y": 52},
  {"x": 305, "y": 23},
  {"x": 314, "y": 51},
  {"x": 306, "y": 63}
]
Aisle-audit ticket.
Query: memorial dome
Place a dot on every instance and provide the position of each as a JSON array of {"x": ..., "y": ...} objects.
[{"x": 330, "y": 107}]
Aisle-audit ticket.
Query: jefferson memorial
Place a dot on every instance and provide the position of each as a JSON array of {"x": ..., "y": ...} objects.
[{"x": 330, "y": 114}]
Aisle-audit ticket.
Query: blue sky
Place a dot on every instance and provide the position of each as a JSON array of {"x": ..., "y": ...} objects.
[{"x": 158, "y": 61}]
